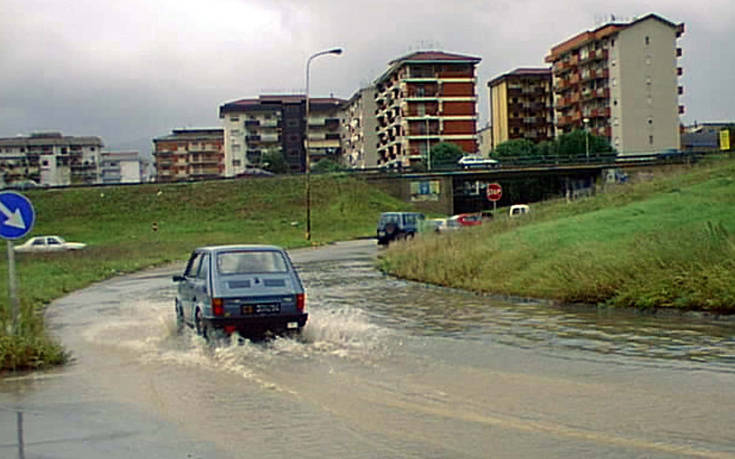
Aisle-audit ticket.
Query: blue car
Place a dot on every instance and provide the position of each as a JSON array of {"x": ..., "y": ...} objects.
[{"x": 252, "y": 290}]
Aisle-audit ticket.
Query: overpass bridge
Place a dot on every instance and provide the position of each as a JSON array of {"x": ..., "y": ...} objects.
[{"x": 456, "y": 191}]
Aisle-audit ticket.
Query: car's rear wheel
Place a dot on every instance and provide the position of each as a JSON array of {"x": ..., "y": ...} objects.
[
  {"x": 179, "y": 318},
  {"x": 199, "y": 325}
]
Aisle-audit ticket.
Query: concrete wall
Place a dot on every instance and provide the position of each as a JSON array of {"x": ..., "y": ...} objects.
[{"x": 647, "y": 84}]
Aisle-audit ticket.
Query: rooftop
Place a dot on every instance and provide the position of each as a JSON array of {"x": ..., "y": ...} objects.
[
  {"x": 521, "y": 72},
  {"x": 274, "y": 101},
  {"x": 603, "y": 31},
  {"x": 50, "y": 139},
  {"x": 425, "y": 57}
]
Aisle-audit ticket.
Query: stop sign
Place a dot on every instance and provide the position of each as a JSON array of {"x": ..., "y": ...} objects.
[{"x": 494, "y": 192}]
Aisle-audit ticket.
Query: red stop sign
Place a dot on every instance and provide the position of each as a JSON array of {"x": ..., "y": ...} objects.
[{"x": 494, "y": 192}]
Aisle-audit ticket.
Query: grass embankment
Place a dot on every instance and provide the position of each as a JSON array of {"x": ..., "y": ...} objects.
[
  {"x": 117, "y": 223},
  {"x": 663, "y": 244}
]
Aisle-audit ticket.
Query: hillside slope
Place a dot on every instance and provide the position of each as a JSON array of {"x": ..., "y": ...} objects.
[{"x": 663, "y": 244}]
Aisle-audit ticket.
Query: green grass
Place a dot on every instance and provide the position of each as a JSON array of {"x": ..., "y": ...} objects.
[
  {"x": 663, "y": 244},
  {"x": 117, "y": 224}
]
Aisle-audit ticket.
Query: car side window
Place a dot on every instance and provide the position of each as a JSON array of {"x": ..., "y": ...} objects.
[
  {"x": 38, "y": 242},
  {"x": 203, "y": 267},
  {"x": 193, "y": 267},
  {"x": 409, "y": 220},
  {"x": 52, "y": 241}
]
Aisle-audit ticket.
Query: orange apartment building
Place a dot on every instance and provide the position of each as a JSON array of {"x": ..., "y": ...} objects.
[
  {"x": 620, "y": 81},
  {"x": 422, "y": 99},
  {"x": 521, "y": 106},
  {"x": 189, "y": 154}
]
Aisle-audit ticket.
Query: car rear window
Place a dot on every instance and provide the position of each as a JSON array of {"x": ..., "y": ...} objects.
[{"x": 249, "y": 262}]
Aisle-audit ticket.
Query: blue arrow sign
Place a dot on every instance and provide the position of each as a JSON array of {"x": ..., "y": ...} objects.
[{"x": 16, "y": 215}]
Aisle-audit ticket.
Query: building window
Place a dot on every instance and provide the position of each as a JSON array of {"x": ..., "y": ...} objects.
[
  {"x": 650, "y": 120},
  {"x": 235, "y": 162},
  {"x": 234, "y": 118},
  {"x": 612, "y": 43},
  {"x": 648, "y": 40},
  {"x": 650, "y": 140}
]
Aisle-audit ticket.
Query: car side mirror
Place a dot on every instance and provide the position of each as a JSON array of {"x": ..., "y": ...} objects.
[{"x": 178, "y": 278}]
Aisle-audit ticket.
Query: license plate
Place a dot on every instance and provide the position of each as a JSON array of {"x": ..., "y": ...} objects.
[
  {"x": 268, "y": 308},
  {"x": 292, "y": 325}
]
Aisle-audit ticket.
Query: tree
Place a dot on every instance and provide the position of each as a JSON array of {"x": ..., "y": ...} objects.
[
  {"x": 327, "y": 165},
  {"x": 445, "y": 154},
  {"x": 516, "y": 148},
  {"x": 575, "y": 144},
  {"x": 274, "y": 161}
]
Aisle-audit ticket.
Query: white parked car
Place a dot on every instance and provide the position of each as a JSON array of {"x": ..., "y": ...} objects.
[
  {"x": 48, "y": 244},
  {"x": 517, "y": 210},
  {"x": 477, "y": 161}
]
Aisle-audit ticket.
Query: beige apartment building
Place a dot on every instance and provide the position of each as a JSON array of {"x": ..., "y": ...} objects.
[
  {"x": 253, "y": 127},
  {"x": 359, "y": 136},
  {"x": 521, "y": 106},
  {"x": 422, "y": 99},
  {"x": 189, "y": 154},
  {"x": 620, "y": 81},
  {"x": 50, "y": 159}
]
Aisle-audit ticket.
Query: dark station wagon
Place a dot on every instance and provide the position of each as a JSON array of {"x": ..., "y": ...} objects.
[{"x": 249, "y": 289}]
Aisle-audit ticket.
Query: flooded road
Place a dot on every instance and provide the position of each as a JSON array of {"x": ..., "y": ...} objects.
[{"x": 385, "y": 368}]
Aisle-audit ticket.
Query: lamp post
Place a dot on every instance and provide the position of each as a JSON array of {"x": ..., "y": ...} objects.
[
  {"x": 586, "y": 122},
  {"x": 307, "y": 158},
  {"x": 428, "y": 144}
]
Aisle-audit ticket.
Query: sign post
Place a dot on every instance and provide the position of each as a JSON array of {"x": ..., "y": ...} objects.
[
  {"x": 16, "y": 220},
  {"x": 494, "y": 193}
]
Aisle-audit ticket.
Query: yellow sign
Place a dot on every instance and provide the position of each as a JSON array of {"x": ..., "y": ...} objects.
[{"x": 725, "y": 139}]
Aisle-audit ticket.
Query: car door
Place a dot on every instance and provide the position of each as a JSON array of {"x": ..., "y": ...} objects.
[
  {"x": 54, "y": 244},
  {"x": 186, "y": 294},
  {"x": 38, "y": 244},
  {"x": 199, "y": 285}
]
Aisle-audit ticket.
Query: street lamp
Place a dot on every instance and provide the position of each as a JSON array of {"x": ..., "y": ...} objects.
[
  {"x": 307, "y": 161},
  {"x": 428, "y": 144},
  {"x": 586, "y": 122}
]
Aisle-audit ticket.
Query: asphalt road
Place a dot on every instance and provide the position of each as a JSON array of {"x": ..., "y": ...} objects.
[{"x": 385, "y": 368}]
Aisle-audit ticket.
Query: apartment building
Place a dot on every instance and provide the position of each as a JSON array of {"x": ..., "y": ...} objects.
[
  {"x": 620, "y": 81},
  {"x": 521, "y": 106},
  {"x": 50, "y": 159},
  {"x": 422, "y": 99},
  {"x": 359, "y": 136},
  {"x": 122, "y": 167},
  {"x": 253, "y": 127},
  {"x": 189, "y": 154}
]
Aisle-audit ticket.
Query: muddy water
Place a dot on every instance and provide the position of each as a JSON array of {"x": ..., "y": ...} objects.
[{"x": 387, "y": 368}]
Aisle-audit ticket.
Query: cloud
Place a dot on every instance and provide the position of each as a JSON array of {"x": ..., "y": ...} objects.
[{"x": 139, "y": 68}]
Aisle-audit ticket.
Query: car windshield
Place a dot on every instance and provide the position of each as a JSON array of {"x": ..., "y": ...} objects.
[
  {"x": 249, "y": 262},
  {"x": 389, "y": 218}
]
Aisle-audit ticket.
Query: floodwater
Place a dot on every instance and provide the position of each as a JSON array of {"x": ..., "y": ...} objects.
[{"x": 385, "y": 368}]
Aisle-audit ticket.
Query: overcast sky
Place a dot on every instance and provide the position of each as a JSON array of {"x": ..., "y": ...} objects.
[{"x": 132, "y": 70}]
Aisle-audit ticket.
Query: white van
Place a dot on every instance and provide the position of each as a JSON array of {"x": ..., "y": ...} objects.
[{"x": 518, "y": 209}]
